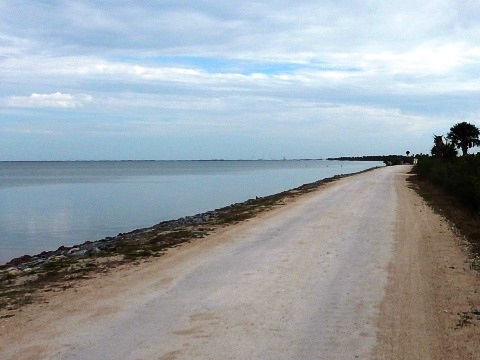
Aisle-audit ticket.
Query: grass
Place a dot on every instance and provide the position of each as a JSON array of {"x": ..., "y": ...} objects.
[{"x": 58, "y": 265}]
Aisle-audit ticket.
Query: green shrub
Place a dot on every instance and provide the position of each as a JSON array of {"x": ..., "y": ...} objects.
[{"x": 459, "y": 177}]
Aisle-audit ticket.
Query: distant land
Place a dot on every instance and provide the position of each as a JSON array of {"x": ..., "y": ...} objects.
[
  {"x": 342, "y": 158},
  {"x": 387, "y": 159},
  {"x": 369, "y": 158}
]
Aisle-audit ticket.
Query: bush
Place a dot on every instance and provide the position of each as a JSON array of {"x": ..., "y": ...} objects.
[{"x": 459, "y": 177}]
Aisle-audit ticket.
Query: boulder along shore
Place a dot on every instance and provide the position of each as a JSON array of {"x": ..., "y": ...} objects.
[{"x": 22, "y": 277}]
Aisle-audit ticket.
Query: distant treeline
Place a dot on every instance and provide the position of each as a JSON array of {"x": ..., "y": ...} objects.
[{"x": 387, "y": 159}]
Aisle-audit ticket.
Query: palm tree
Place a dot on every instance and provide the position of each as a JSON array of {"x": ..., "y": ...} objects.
[
  {"x": 464, "y": 136},
  {"x": 445, "y": 150}
]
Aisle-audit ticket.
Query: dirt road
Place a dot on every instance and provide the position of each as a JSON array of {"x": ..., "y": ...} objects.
[{"x": 341, "y": 273}]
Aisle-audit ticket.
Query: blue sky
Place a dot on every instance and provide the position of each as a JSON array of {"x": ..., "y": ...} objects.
[{"x": 89, "y": 80}]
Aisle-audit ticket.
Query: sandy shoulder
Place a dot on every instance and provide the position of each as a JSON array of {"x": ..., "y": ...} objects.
[{"x": 431, "y": 290}]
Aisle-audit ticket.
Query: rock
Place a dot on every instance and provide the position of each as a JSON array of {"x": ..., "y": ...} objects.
[
  {"x": 87, "y": 246},
  {"x": 78, "y": 253},
  {"x": 94, "y": 250},
  {"x": 73, "y": 250},
  {"x": 108, "y": 244},
  {"x": 46, "y": 254},
  {"x": 19, "y": 260},
  {"x": 31, "y": 263},
  {"x": 13, "y": 271},
  {"x": 55, "y": 258}
]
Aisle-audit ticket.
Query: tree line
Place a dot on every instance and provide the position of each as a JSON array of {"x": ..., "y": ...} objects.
[
  {"x": 387, "y": 159},
  {"x": 457, "y": 175},
  {"x": 462, "y": 136}
]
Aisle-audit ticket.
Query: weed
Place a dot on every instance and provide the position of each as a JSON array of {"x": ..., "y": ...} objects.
[
  {"x": 58, "y": 265},
  {"x": 464, "y": 320}
]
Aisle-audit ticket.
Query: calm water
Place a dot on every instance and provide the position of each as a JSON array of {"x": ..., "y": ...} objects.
[{"x": 47, "y": 204}]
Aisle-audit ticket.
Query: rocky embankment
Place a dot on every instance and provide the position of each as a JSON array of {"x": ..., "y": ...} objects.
[
  {"x": 22, "y": 277},
  {"x": 109, "y": 245},
  {"x": 102, "y": 247}
]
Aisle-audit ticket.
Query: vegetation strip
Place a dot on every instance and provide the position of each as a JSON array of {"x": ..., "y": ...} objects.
[
  {"x": 22, "y": 280},
  {"x": 452, "y": 184},
  {"x": 464, "y": 221}
]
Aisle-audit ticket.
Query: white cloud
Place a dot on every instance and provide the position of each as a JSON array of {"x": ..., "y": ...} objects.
[
  {"x": 55, "y": 100},
  {"x": 304, "y": 67},
  {"x": 13, "y": 46}
]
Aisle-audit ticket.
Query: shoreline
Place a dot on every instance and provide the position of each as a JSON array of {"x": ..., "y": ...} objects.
[
  {"x": 56, "y": 198},
  {"x": 88, "y": 247},
  {"x": 22, "y": 277}
]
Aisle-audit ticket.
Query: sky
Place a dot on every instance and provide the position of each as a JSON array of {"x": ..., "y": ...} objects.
[{"x": 174, "y": 80}]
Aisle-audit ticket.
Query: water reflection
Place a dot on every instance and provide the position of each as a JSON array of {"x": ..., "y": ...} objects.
[{"x": 45, "y": 205}]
